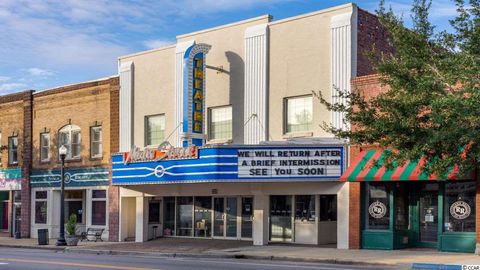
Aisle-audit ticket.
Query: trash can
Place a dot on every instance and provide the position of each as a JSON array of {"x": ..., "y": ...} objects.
[{"x": 43, "y": 236}]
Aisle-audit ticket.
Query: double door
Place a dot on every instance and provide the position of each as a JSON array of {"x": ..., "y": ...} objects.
[{"x": 232, "y": 217}]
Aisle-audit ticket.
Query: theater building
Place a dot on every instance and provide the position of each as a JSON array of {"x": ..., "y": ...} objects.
[
  {"x": 15, "y": 142},
  {"x": 403, "y": 207},
  {"x": 220, "y": 135},
  {"x": 78, "y": 116}
]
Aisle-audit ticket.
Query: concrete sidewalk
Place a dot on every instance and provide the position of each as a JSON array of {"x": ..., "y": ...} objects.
[{"x": 207, "y": 248}]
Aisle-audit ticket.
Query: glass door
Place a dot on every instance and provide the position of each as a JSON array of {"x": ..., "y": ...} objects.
[
  {"x": 218, "y": 217},
  {"x": 428, "y": 210},
  {"x": 231, "y": 217},
  {"x": 281, "y": 218},
  {"x": 247, "y": 217}
]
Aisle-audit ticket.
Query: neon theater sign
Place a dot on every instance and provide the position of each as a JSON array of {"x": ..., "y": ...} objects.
[{"x": 165, "y": 151}]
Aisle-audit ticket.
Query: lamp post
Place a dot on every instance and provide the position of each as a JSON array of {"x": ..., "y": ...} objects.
[{"x": 62, "y": 152}]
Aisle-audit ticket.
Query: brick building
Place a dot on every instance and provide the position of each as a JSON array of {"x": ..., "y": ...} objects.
[
  {"x": 78, "y": 116},
  {"x": 403, "y": 207},
  {"x": 15, "y": 162}
]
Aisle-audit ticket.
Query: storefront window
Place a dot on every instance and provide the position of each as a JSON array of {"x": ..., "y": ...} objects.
[
  {"x": 41, "y": 207},
  {"x": 184, "y": 216},
  {"x": 154, "y": 212},
  {"x": 99, "y": 207},
  {"x": 401, "y": 207},
  {"x": 74, "y": 204},
  {"x": 203, "y": 216},
  {"x": 328, "y": 208},
  {"x": 169, "y": 216},
  {"x": 459, "y": 206},
  {"x": 305, "y": 207},
  {"x": 377, "y": 207}
]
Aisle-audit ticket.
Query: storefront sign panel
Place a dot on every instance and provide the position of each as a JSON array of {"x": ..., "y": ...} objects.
[
  {"x": 227, "y": 164},
  {"x": 73, "y": 178},
  {"x": 11, "y": 179}
]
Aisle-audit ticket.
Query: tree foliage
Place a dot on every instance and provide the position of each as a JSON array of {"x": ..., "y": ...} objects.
[{"x": 432, "y": 107}]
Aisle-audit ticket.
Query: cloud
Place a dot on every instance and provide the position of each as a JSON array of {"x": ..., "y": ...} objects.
[
  {"x": 4, "y": 78},
  {"x": 157, "y": 43},
  {"x": 40, "y": 72},
  {"x": 9, "y": 87}
]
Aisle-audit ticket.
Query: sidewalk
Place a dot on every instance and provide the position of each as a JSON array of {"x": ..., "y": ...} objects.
[{"x": 207, "y": 248}]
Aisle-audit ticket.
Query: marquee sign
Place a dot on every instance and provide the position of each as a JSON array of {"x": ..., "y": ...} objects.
[
  {"x": 288, "y": 162},
  {"x": 194, "y": 94},
  {"x": 233, "y": 164},
  {"x": 163, "y": 151}
]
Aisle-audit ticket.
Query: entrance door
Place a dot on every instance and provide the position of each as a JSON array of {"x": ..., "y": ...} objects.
[
  {"x": 218, "y": 217},
  {"x": 281, "y": 218},
  {"x": 247, "y": 217},
  {"x": 225, "y": 217},
  {"x": 17, "y": 217},
  {"x": 428, "y": 204}
]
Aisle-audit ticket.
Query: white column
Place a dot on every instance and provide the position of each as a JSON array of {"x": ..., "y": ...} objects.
[
  {"x": 343, "y": 29},
  {"x": 260, "y": 220},
  {"x": 343, "y": 216},
  {"x": 256, "y": 84},
  {"x": 126, "y": 106},
  {"x": 141, "y": 226},
  {"x": 87, "y": 213}
]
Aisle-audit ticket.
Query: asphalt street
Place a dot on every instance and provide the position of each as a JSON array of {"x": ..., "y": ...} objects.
[{"x": 34, "y": 259}]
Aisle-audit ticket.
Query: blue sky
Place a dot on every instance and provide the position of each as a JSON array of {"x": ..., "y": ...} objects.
[{"x": 49, "y": 43}]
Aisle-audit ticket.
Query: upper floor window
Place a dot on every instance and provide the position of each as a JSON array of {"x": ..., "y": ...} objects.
[
  {"x": 70, "y": 136},
  {"x": 154, "y": 129},
  {"x": 44, "y": 147},
  {"x": 220, "y": 123},
  {"x": 13, "y": 150},
  {"x": 96, "y": 142},
  {"x": 298, "y": 114}
]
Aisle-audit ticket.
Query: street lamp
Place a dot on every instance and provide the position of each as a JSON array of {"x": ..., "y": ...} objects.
[{"x": 62, "y": 152}]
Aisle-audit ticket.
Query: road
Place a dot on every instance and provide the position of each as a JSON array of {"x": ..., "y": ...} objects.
[{"x": 34, "y": 259}]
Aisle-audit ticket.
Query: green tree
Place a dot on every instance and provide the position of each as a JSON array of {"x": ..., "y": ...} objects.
[{"x": 432, "y": 107}]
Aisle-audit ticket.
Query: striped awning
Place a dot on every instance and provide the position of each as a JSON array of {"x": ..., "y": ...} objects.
[{"x": 363, "y": 168}]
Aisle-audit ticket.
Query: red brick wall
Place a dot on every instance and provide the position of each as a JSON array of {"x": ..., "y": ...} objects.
[
  {"x": 26, "y": 162},
  {"x": 371, "y": 35},
  {"x": 369, "y": 86},
  {"x": 113, "y": 191}
]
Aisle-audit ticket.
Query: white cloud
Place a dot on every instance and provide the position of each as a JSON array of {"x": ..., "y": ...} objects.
[
  {"x": 9, "y": 87},
  {"x": 4, "y": 78},
  {"x": 40, "y": 72},
  {"x": 157, "y": 43}
]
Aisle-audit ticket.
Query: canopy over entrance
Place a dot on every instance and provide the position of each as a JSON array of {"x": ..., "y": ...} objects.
[{"x": 363, "y": 168}]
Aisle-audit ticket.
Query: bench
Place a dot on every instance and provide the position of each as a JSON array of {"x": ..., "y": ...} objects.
[{"x": 92, "y": 234}]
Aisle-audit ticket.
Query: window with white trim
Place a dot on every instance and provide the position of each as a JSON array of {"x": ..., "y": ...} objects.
[
  {"x": 220, "y": 123},
  {"x": 45, "y": 147},
  {"x": 13, "y": 150},
  {"x": 41, "y": 207},
  {"x": 154, "y": 129},
  {"x": 298, "y": 114},
  {"x": 96, "y": 142},
  {"x": 70, "y": 136}
]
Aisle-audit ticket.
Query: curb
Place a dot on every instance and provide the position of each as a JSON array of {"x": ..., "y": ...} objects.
[
  {"x": 225, "y": 256},
  {"x": 55, "y": 248}
]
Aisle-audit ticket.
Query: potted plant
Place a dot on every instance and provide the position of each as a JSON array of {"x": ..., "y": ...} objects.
[{"x": 71, "y": 227}]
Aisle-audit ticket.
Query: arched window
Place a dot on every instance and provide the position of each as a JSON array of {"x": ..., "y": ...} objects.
[{"x": 70, "y": 136}]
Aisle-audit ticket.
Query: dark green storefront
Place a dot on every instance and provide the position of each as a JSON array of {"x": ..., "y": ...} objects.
[{"x": 403, "y": 208}]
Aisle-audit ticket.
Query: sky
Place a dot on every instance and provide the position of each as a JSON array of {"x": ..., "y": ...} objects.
[{"x": 50, "y": 43}]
